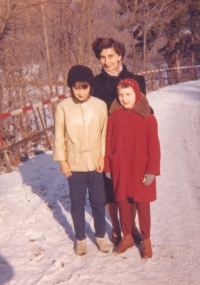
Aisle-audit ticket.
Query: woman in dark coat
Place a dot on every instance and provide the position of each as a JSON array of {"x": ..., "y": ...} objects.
[
  {"x": 110, "y": 53},
  {"x": 105, "y": 84},
  {"x": 133, "y": 159}
]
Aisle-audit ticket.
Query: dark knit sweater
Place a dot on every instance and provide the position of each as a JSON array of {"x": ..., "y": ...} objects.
[{"x": 105, "y": 85}]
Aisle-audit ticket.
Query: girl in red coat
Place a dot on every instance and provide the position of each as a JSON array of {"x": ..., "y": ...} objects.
[{"x": 133, "y": 160}]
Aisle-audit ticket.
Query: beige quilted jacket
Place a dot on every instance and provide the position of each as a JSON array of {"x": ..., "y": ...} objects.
[{"x": 80, "y": 133}]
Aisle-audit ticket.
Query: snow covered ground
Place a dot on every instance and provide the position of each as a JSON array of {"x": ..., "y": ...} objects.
[{"x": 36, "y": 233}]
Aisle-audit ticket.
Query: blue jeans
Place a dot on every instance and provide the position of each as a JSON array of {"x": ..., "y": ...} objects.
[{"x": 79, "y": 182}]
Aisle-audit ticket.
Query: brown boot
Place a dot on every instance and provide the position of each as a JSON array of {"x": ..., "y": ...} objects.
[
  {"x": 146, "y": 248},
  {"x": 136, "y": 235},
  {"x": 127, "y": 241},
  {"x": 115, "y": 238}
]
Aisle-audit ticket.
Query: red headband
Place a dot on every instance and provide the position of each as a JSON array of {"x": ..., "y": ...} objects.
[{"x": 132, "y": 83}]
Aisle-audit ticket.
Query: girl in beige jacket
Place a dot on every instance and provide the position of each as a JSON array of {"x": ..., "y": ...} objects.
[{"x": 79, "y": 146}]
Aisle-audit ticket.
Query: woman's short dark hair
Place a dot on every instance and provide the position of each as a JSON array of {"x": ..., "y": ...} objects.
[{"x": 102, "y": 43}]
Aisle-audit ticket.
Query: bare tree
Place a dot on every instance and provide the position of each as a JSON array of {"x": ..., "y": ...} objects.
[
  {"x": 140, "y": 18},
  {"x": 153, "y": 12}
]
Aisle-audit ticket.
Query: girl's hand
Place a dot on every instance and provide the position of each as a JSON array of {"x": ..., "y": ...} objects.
[
  {"x": 148, "y": 179},
  {"x": 65, "y": 168},
  {"x": 100, "y": 165},
  {"x": 108, "y": 175}
]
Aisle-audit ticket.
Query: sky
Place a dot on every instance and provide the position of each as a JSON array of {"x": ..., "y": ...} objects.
[{"x": 36, "y": 231}]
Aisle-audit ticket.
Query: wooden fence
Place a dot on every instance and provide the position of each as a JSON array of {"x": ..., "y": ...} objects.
[{"x": 29, "y": 127}]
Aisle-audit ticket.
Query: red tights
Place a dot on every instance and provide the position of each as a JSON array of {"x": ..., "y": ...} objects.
[{"x": 126, "y": 216}]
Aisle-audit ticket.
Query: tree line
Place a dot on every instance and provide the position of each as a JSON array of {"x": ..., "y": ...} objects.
[{"x": 40, "y": 40}]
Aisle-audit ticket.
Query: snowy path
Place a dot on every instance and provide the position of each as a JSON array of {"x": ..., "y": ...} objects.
[{"x": 36, "y": 236}]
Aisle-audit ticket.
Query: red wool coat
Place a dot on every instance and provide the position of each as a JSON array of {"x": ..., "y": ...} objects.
[{"x": 132, "y": 149}]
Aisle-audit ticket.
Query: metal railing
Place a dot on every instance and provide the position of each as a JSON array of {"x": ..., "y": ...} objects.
[
  {"x": 159, "y": 78},
  {"x": 36, "y": 123}
]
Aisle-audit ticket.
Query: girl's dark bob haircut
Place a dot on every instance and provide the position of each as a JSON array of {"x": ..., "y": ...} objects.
[{"x": 103, "y": 43}]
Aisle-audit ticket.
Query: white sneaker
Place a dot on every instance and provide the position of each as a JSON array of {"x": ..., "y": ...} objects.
[
  {"x": 80, "y": 247},
  {"x": 102, "y": 244}
]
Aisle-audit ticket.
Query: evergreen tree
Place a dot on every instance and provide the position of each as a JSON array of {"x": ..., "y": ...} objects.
[{"x": 183, "y": 36}]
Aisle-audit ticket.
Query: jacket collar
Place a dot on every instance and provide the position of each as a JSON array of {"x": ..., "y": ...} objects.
[
  {"x": 106, "y": 75},
  {"x": 76, "y": 101},
  {"x": 142, "y": 107}
]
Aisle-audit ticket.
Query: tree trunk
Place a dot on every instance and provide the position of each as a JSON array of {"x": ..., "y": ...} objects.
[
  {"x": 90, "y": 11},
  {"x": 48, "y": 57},
  {"x": 145, "y": 46},
  {"x": 135, "y": 63},
  {"x": 63, "y": 48},
  {"x": 3, "y": 27},
  {"x": 5, "y": 21},
  {"x": 1, "y": 101},
  {"x": 80, "y": 33}
]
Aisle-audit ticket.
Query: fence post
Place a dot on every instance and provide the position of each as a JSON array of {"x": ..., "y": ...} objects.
[
  {"x": 152, "y": 80},
  {"x": 196, "y": 74},
  {"x": 5, "y": 154},
  {"x": 44, "y": 128},
  {"x": 160, "y": 79}
]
